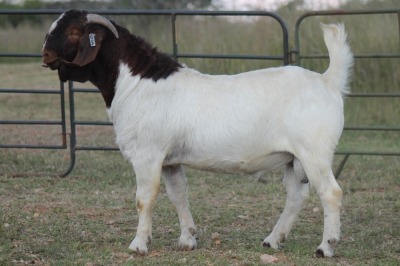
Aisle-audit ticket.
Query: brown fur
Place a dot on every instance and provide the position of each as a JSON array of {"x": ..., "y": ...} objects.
[{"x": 78, "y": 61}]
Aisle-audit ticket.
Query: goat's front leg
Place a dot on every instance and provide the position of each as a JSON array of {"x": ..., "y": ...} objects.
[
  {"x": 296, "y": 191},
  {"x": 177, "y": 190},
  {"x": 148, "y": 185}
]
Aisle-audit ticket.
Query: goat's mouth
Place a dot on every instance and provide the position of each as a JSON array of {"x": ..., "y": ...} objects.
[
  {"x": 56, "y": 63},
  {"x": 53, "y": 65},
  {"x": 50, "y": 59}
]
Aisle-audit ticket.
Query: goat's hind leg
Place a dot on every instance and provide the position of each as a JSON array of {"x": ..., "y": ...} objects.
[
  {"x": 320, "y": 176},
  {"x": 297, "y": 190},
  {"x": 177, "y": 190},
  {"x": 330, "y": 194}
]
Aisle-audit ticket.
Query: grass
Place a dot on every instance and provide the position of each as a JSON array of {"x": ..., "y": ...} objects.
[{"x": 89, "y": 218}]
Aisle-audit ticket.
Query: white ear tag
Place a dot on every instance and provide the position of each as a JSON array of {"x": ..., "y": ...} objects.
[{"x": 92, "y": 40}]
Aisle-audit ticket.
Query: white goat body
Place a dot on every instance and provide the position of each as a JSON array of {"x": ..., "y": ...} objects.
[
  {"x": 241, "y": 123},
  {"x": 226, "y": 123},
  {"x": 244, "y": 124}
]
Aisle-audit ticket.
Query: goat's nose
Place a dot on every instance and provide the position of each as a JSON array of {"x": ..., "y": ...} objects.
[
  {"x": 48, "y": 56},
  {"x": 46, "y": 53}
]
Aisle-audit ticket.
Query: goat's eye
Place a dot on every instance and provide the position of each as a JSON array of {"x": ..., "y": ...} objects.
[{"x": 74, "y": 35}]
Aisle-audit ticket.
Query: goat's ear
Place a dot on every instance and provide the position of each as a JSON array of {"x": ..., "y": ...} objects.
[{"x": 89, "y": 46}]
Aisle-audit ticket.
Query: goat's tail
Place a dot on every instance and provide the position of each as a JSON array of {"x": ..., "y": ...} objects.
[{"x": 340, "y": 56}]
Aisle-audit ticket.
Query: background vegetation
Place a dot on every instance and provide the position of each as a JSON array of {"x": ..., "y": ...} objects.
[{"x": 89, "y": 217}]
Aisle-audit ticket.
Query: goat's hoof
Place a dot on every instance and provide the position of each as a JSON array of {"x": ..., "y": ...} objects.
[
  {"x": 323, "y": 252},
  {"x": 139, "y": 246},
  {"x": 266, "y": 244},
  {"x": 140, "y": 251},
  {"x": 270, "y": 242},
  {"x": 187, "y": 243},
  {"x": 319, "y": 253}
]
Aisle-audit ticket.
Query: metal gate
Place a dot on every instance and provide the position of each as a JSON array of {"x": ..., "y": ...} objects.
[
  {"x": 73, "y": 89},
  {"x": 285, "y": 58}
]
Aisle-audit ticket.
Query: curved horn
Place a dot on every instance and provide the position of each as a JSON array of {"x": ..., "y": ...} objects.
[{"x": 94, "y": 18}]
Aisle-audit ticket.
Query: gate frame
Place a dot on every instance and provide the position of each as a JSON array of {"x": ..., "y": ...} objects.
[
  {"x": 286, "y": 58},
  {"x": 73, "y": 147}
]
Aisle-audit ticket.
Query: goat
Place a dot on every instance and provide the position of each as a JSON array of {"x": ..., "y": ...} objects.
[{"x": 167, "y": 116}]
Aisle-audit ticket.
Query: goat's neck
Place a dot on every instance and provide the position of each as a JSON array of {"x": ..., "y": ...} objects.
[
  {"x": 141, "y": 57},
  {"x": 104, "y": 77}
]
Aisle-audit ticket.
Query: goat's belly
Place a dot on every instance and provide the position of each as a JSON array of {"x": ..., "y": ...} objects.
[{"x": 225, "y": 165}]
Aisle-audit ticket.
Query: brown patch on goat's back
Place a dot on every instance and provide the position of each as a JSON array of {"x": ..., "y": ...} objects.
[{"x": 147, "y": 61}]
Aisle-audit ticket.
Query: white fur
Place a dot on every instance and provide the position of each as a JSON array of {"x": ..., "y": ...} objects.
[{"x": 245, "y": 123}]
